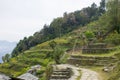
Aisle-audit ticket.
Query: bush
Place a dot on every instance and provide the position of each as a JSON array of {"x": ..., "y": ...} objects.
[
  {"x": 89, "y": 34},
  {"x": 113, "y": 38}
]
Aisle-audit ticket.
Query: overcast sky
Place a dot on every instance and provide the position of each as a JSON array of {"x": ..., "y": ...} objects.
[{"x": 20, "y": 18}]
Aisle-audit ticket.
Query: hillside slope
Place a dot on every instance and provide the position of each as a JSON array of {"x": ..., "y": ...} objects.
[
  {"x": 60, "y": 26},
  {"x": 42, "y": 53},
  {"x": 94, "y": 45}
]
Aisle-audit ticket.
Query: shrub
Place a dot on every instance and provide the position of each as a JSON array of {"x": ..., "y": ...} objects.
[{"x": 89, "y": 34}]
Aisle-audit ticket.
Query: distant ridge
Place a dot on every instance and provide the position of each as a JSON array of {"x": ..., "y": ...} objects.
[{"x": 6, "y": 47}]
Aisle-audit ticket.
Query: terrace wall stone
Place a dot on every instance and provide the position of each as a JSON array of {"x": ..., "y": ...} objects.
[{"x": 96, "y": 48}]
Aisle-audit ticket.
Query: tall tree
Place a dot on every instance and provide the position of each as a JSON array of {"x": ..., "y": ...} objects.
[
  {"x": 113, "y": 12},
  {"x": 102, "y": 7}
]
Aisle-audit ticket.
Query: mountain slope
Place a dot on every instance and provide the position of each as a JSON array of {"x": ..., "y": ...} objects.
[
  {"x": 42, "y": 53},
  {"x": 60, "y": 26},
  {"x": 71, "y": 43}
]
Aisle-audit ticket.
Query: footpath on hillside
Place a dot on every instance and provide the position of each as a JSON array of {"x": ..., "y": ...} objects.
[
  {"x": 89, "y": 74},
  {"x": 86, "y": 73}
]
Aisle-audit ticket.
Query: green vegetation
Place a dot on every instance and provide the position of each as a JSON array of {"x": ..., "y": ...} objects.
[
  {"x": 89, "y": 34},
  {"x": 6, "y": 58},
  {"x": 113, "y": 14},
  {"x": 57, "y": 54},
  {"x": 60, "y": 26},
  {"x": 66, "y": 35},
  {"x": 23, "y": 62},
  {"x": 41, "y": 54}
]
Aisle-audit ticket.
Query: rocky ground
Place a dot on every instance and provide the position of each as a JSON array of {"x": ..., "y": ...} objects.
[
  {"x": 89, "y": 74},
  {"x": 86, "y": 73}
]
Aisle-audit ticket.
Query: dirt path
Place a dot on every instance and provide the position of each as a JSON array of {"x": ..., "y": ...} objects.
[
  {"x": 86, "y": 73},
  {"x": 89, "y": 75}
]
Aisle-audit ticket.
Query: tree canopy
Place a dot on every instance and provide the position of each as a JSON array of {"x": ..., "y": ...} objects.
[
  {"x": 60, "y": 26},
  {"x": 113, "y": 14}
]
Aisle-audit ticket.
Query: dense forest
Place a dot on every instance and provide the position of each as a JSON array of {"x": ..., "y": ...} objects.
[{"x": 61, "y": 26}]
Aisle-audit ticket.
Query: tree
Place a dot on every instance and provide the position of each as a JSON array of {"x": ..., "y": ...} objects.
[
  {"x": 57, "y": 53},
  {"x": 93, "y": 6},
  {"x": 113, "y": 12},
  {"x": 58, "y": 27},
  {"x": 3, "y": 58},
  {"x": 6, "y": 58},
  {"x": 102, "y": 7},
  {"x": 52, "y": 44}
]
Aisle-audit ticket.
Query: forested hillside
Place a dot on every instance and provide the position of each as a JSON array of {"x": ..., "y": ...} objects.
[
  {"x": 89, "y": 38},
  {"x": 61, "y": 25}
]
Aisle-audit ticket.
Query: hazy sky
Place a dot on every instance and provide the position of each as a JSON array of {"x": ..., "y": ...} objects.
[{"x": 20, "y": 18}]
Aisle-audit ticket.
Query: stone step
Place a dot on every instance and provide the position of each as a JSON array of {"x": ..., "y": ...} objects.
[
  {"x": 60, "y": 73},
  {"x": 61, "y": 70},
  {"x": 63, "y": 74},
  {"x": 59, "y": 77}
]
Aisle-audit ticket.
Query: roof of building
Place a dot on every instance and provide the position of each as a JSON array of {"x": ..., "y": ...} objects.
[{"x": 28, "y": 76}]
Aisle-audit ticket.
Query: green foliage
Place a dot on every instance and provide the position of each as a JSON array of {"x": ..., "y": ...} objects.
[
  {"x": 102, "y": 7},
  {"x": 20, "y": 64},
  {"x": 113, "y": 38},
  {"x": 47, "y": 51},
  {"x": 52, "y": 44},
  {"x": 6, "y": 58},
  {"x": 65, "y": 58},
  {"x": 48, "y": 72},
  {"x": 113, "y": 13},
  {"x": 59, "y": 27},
  {"x": 3, "y": 59},
  {"x": 57, "y": 54},
  {"x": 114, "y": 75},
  {"x": 89, "y": 34}
]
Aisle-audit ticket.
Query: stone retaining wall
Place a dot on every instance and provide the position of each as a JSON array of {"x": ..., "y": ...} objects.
[
  {"x": 96, "y": 50},
  {"x": 91, "y": 61},
  {"x": 62, "y": 74}
]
